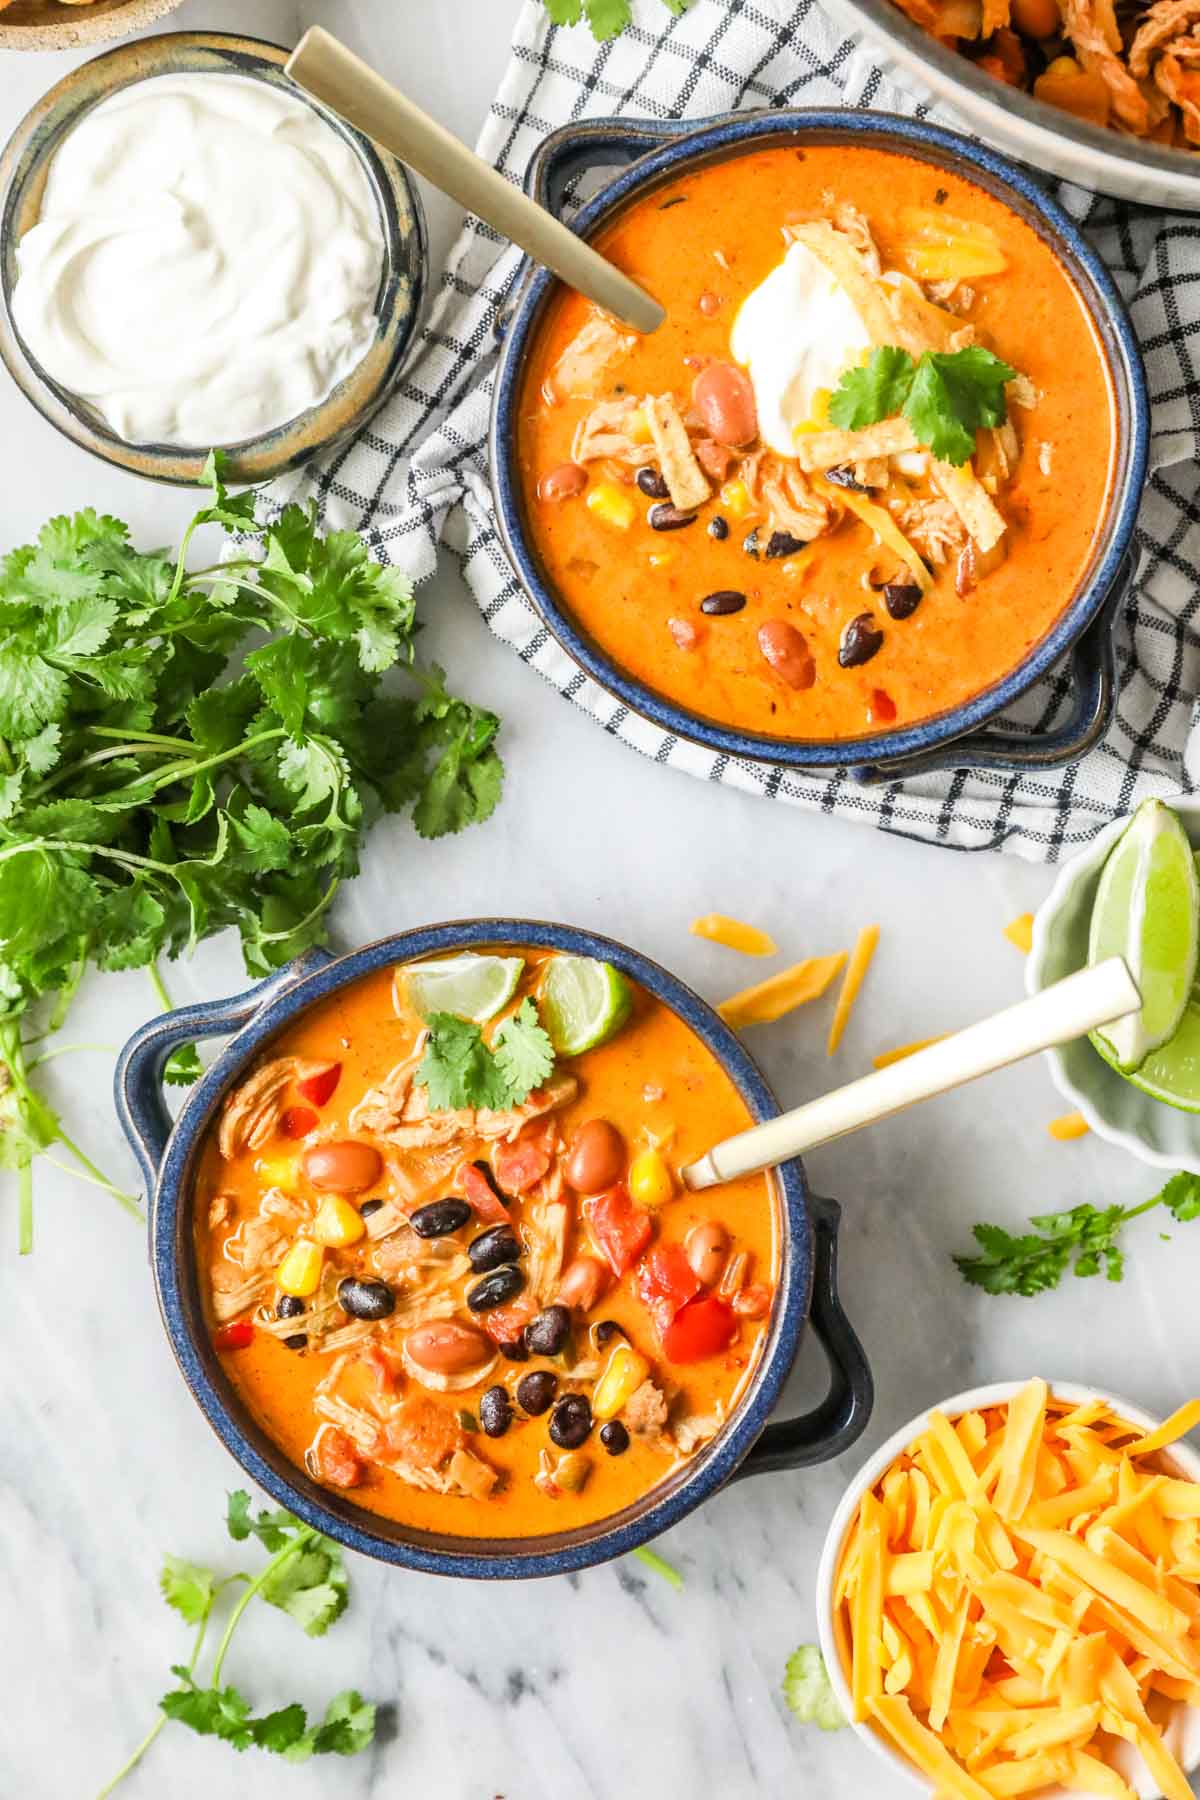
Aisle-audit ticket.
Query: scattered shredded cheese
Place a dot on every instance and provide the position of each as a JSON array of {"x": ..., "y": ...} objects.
[
  {"x": 1020, "y": 1592},
  {"x": 881, "y": 523},
  {"x": 886, "y": 1058},
  {"x": 852, "y": 980},
  {"x": 1019, "y": 932},
  {"x": 1067, "y": 1126},
  {"x": 781, "y": 993},
  {"x": 733, "y": 934}
]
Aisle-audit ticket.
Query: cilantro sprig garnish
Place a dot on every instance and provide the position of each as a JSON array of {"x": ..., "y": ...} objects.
[
  {"x": 460, "y": 1069},
  {"x": 1083, "y": 1240},
  {"x": 304, "y": 1577},
  {"x": 183, "y": 750},
  {"x": 946, "y": 396},
  {"x": 607, "y": 18},
  {"x": 808, "y": 1691}
]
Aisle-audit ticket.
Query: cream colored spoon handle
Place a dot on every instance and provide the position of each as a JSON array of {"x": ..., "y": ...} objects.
[
  {"x": 1067, "y": 1009},
  {"x": 324, "y": 68}
]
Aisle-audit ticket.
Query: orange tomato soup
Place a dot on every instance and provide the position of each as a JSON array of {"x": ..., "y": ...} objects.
[
  {"x": 813, "y": 645},
  {"x": 628, "y": 1312}
]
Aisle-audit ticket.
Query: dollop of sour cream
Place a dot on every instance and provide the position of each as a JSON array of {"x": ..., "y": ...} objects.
[
  {"x": 796, "y": 332},
  {"x": 206, "y": 262}
]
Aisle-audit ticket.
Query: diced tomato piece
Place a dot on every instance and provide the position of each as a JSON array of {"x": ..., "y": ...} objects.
[
  {"x": 335, "y": 1459},
  {"x": 478, "y": 1190},
  {"x": 235, "y": 1336},
  {"x": 703, "y": 1328},
  {"x": 518, "y": 1165},
  {"x": 423, "y": 1432},
  {"x": 666, "y": 1281},
  {"x": 621, "y": 1229},
  {"x": 298, "y": 1121},
  {"x": 504, "y": 1324},
  {"x": 317, "y": 1089}
]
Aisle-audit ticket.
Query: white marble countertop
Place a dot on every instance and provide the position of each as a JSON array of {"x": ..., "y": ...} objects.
[{"x": 607, "y": 1684}]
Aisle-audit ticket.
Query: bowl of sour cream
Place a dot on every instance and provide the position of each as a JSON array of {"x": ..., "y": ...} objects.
[{"x": 195, "y": 256}]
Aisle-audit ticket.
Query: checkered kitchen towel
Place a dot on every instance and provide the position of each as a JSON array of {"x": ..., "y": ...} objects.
[{"x": 418, "y": 474}]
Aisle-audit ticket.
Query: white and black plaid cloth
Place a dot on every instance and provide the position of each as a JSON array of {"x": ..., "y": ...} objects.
[{"x": 418, "y": 475}]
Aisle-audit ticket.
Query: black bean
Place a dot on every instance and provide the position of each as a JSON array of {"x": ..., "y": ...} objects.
[
  {"x": 536, "y": 1391},
  {"x": 665, "y": 517},
  {"x": 571, "y": 1421},
  {"x": 363, "y": 1298},
  {"x": 495, "y": 1411},
  {"x": 288, "y": 1306},
  {"x": 652, "y": 484},
  {"x": 492, "y": 1247},
  {"x": 718, "y": 528},
  {"x": 843, "y": 477},
  {"x": 517, "y": 1350},
  {"x": 502, "y": 1284},
  {"x": 548, "y": 1332},
  {"x": 724, "y": 601},
  {"x": 368, "y": 1207},
  {"x": 615, "y": 1438},
  {"x": 606, "y": 1331},
  {"x": 901, "y": 598},
  {"x": 782, "y": 543},
  {"x": 861, "y": 640},
  {"x": 750, "y": 544},
  {"x": 297, "y": 1341},
  {"x": 440, "y": 1218}
]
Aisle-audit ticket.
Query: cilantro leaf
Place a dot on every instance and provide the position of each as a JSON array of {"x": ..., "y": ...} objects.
[
  {"x": 348, "y": 1725},
  {"x": 954, "y": 394},
  {"x": 457, "y": 1067},
  {"x": 212, "y": 1712},
  {"x": 876, "y": 391},
  {"x": 187, "y": 1587},
  {"x": 273, "y": 1529},
  {"x": 310, "y": 1587},
  {"x": 523, "y": 1052},
  {"x": 1181, "y": 1197},
  {"x": 808, "y": 1691}
]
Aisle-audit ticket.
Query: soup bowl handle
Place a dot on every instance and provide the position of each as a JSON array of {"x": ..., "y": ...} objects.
[
  {"x": 138, "y": 1082},
  {"x": 841, "y": 1417}
]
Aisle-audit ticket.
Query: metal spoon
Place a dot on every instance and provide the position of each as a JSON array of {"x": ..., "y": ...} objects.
[
  {"x": 324, "y": 68},
  {"x": 1067, "y": 1009}
]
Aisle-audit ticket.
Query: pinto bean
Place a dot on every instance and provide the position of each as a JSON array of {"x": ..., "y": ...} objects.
[
  {"x": 563, "y": 483},
  {"x": 597, "y": 1159},
  {"x": 447, "y": 1348},
  {"x": 724, "y": 398},
  {"x": 583, "y": 1281},
  {"x": 707, "y": 1246},
  {"x": 345, "y": 1168},
  {"x": 787, "y": 651}
]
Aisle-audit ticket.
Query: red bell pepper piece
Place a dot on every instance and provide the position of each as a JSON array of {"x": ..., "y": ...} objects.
[
  {"x": 621, "y": 1229},
  {"x": 478, "y": 1190},
  {"x": 317, "y": 1089},
  {"x": 703, "y": 1328},
  {"x": 666, "y": 1281},
  {"x": 235, "y": 1336},
  {"x": 298, "y": 1121},
  {"x": 504, "y": 1324},
  {"x": 518, "y": 1165}
]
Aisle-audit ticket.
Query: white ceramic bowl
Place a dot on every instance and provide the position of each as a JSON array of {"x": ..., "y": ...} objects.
[
  {"x": 1116, "y": 1110},
  {"x": 1183, "y": 1732}
]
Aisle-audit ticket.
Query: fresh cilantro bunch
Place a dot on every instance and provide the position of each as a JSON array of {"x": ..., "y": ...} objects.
[
  {"x": 185, "y": 750},
  {"x": 1083, "y": 1239},
  {"x": 808, "y": 1690},
  {"x": 946, "y": 396},
  {"x": 460, "y": 1069},
  {"x": 304, "y": 1578},
  {"x": 607, "y": 18}
]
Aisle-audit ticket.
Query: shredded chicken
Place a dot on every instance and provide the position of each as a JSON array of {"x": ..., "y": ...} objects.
[
  {"x": 1020, "y": 391},
  {"x": 232, "y": 1294},
  {"x": 1092, "y": 27},
  {"x": 257, "y": 1244},
  {"x": 359, "y": 1426},
  {"x": 382, "y": 1108},
  {"x": 218, "y": 1211},
  {"x": 607, "y": 431},
  {"x": 975, "y": 507},
  {"x": 848, "y": 220},
  {"x": 695, "y": 1429},
  {"x": 253, "y": 1110},
  {"x": 794, "y": 508},
  {"x": 645, "y": 1412},
  {"x": 931, "y": 526},
  {"x": 1167, "y": 48},
  {"x": 588, "y": 355},
  {"x": 546, "y": 1237}
]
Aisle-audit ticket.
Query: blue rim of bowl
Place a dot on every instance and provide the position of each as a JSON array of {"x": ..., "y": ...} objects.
[
  {"x": 399, "y": 302},
  {"x": 1114, "y": 330},
  {"x": 176, "y": 1282}
]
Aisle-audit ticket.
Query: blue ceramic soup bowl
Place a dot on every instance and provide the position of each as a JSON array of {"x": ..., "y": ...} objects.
[
  {"x": 658, "y": 153},
  {"x": 806, "y": 1291}
]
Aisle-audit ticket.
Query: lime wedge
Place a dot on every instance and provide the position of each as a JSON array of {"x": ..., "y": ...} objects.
[
  {"x": 583, "y": 1003},
  {"x": 470, "y": 986},
  {"x": 1172, "y": 1074},
  {"x": 1147, "y": 910}
]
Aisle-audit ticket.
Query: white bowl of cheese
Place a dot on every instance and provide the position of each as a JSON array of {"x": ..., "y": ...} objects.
[{"x": 1035, "y": 1612}]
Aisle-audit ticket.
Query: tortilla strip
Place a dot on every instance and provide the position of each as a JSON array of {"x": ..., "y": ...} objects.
[
  {"x": 971, "y": 501},
  {"x": 845, "y": 264},
  {"x": 685, "y": 479},
  {"x": 817, "y": 451},
  {"x": 917, "y": 324}
]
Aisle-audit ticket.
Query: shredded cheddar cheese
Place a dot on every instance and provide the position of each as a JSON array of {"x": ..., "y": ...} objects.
[
  {"x": 852, "y": 980},
  {"x": 733, "y": 934},
  {"x": 781, "y": 993},
  {"x": 886, "y": 530},
  {"x": 1019, "y": 932},
  {"x": 1019, "y": 1593},
  {"x": 886, "y": 1058},
  {"x": 1069, "y": 1125}
]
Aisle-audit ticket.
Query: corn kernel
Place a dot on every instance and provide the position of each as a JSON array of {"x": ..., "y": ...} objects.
[
  {"x": 608, "y": 502},
  {"x": 300, "y": 1271},
  {"x": 735, "y": 498},
  {"x": 337, "y": 1222},
  {"x": 650, "y": 1182},
  {"x": 820, "y": 407},
  {"x": 639, "y": 428},
  {"x": 624, "y": 1375},
  {"x": 279, "y": 1171},
  {"x": 661, "y": 559}
]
